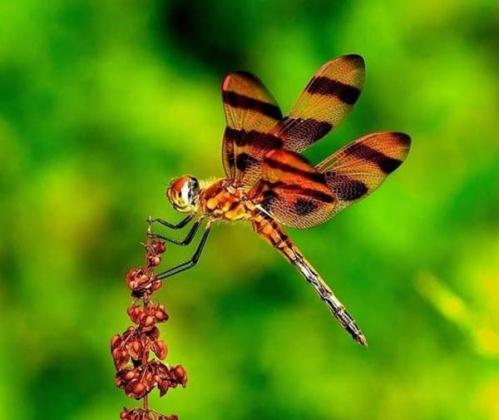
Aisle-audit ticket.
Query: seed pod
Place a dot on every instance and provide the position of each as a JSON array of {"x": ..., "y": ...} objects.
[
  {"x": 132, "y": 274},
  {"x": 159, "y": 348},
  {"x": 153, "y": 260},
  {"x": 161, "y": 315},
  {"x": 149, "y": 321},
  {"x": 142, "y": 279},
  {"x": 115, "y": 341},
  {"x": 159, "y": 247},
  {"x": 135, "y": 349},
  {"x": 135, "y": 313},
  {"x": 153, "y": 333},
  {"x": 130, "y": 374},
  {"x": 138, "y": 390},
  {"x": 180, "y": 375},
  {"x": 163, "y": 387},
  {"x": 155, "y": 285}
]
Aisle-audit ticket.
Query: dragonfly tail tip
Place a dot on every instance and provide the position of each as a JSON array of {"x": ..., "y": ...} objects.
[{"x": 361, "y": 340}]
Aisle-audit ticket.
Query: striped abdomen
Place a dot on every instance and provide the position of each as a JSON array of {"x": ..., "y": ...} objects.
[{"x": 270, "y": 230}]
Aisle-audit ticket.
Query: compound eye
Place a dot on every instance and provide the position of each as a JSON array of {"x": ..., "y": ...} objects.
[
  {"x": 194, "y": 187},
  {"x": 186, "y": 193}
]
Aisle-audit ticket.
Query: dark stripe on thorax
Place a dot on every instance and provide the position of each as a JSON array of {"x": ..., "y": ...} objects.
[
  {"x": 325, "y": 86},
  {"x": 235, "y": 204},
  {"x": 386, "y": 163},
  {"x": 245, "y": 102}
]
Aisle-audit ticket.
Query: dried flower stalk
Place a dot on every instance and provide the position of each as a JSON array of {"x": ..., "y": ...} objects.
[{"x": 138, "y": 372}]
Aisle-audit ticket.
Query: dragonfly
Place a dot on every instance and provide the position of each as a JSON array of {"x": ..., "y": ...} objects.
[{"x": 269, "y": 184}]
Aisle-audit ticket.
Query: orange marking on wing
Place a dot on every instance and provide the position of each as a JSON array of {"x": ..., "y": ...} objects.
[
  {"x": 360, "y": 167},
  {"x": 292, "y": 190},
  {"x": 323, "y": 104},
  {"x": 250, "y": 112}
]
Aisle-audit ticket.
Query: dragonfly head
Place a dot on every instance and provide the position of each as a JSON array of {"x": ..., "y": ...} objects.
[{"x": 183, "y": 194}]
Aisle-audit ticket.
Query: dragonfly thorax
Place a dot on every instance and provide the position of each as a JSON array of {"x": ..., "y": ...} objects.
[{"x": 221, "y": 200}]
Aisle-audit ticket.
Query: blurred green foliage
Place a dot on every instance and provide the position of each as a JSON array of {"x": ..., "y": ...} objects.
[{"x": 102, "y": 102}]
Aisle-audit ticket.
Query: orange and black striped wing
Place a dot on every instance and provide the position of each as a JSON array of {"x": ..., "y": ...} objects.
[
  {"x": 325, "y": 101},
  {"x": 250, "y": 112},
  {"x": 301, "y": 196},
  {"x": 293, "y": 191},
  {"x": 360, "y": 167}
]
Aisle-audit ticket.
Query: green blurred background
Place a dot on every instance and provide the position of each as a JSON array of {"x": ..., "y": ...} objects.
[{"x": 102, "y": 102}]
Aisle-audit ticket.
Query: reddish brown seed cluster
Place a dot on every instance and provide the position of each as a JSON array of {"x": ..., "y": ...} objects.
[
  {"x": 140, "y": 283},
  {"x": 136, "y": 373},
  {"x": 140, "y": 414},
  {"x": 139, "y": 381},
  {"x": 147, "y": 316}
]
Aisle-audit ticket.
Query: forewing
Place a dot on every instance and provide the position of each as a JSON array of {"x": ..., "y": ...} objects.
[
  {"x": 325, "y": 101},
  {"x": 360, "y": 167},
  {"x": 293, "y": 191},
  {"x": 250, "y": 112}
]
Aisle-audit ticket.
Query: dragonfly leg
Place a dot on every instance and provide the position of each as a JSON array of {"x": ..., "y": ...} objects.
[
  {"x": 191, "y": 262},
  {"x": 169, "y": 225},
  {"x": 186, "y": 241}
]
